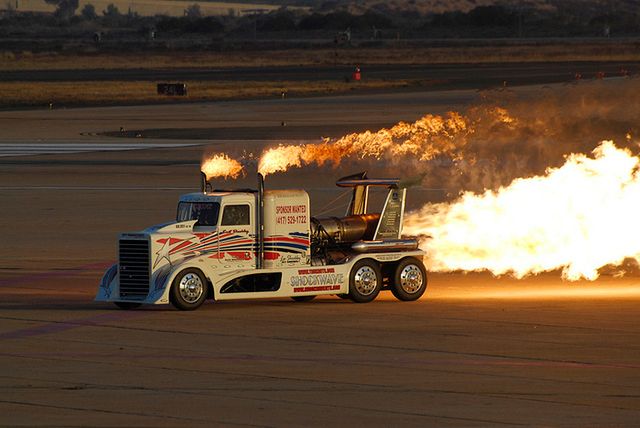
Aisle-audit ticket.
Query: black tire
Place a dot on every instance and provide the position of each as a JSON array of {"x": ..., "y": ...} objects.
[
  {"x": 188, "y": 290},
  {"x": 303, "y": 298},
  {"x": 365, "y": 281},
  {"x": 127, "y": 305},
  {"x": 409, "y": 280}
]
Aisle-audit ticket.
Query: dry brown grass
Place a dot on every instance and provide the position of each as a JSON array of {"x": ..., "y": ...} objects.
[
  {"x": 437, "y": 6},
  {"x": 130, "y": 92},
  {"x": 600, "y": 51},
  {"x": 20, "y": 94},
  {"x": 149, "y": 7}
]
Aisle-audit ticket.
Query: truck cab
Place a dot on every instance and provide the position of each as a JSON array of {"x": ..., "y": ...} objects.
[{"x": 224, "y": 224}]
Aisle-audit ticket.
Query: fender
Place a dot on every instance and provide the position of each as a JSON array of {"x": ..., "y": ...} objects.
[
  {"x": 162, "y": 286},
  {"x": 107, "y": 283}
]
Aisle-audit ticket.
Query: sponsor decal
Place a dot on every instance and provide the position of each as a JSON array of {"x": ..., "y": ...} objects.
[
  {"x": 318, "y": 288},
  {"x": 246, "y": 231},
  {"x": 388, "y": 257},
  {"x": 291, "y": 209},
  {"x": 314, "y": 271},
  {"x": 321, "y": 279},
  {"x": 291, "y": 259},
  {"x": 291, "y": 214}
]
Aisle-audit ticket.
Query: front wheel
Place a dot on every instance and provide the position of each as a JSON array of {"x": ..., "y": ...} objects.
[
  {"x": 410, "y": 280},
  {"x": 365, "y": 281},
  {"x": 189, "y": 290}
]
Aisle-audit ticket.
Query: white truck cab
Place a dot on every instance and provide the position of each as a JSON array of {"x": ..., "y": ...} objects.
[{"x": 249, "y": 244}]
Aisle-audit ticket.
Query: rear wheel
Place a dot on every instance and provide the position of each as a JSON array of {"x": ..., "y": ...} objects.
[
  {"x": 410, "y": 280},
  {"x": 189, "y": 290},
  {"x": 127, "y": 305},
  {"x": 365, "y": 281},
  {"x": 303, "y": 298}
]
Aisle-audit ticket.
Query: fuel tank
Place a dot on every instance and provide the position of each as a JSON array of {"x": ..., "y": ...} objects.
[{"x": 343, "y": 230}]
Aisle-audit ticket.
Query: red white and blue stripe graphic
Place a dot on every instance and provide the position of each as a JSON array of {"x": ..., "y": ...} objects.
[{"x": 238, "y": 245}]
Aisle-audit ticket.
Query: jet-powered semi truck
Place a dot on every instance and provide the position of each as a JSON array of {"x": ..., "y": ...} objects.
[{"x": 251, "y": 244}]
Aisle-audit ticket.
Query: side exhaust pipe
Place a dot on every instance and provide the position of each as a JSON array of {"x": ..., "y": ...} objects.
[
  {"x": 388, "y": 245},
  {"x": 260, "y": 224}
]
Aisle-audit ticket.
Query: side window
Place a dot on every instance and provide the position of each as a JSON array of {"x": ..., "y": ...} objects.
[
  {"x": 205, "y": 213},
  {"x": 235, "y": 215}
]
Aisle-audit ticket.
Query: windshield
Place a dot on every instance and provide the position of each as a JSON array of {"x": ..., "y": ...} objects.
[{"x": 205, "y": 212}]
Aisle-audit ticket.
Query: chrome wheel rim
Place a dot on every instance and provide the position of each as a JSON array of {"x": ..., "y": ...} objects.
[
  {"x": 411, "y": 279},
  {"x": 191, "y": 288},
  {"x": 365, "y": 280}
]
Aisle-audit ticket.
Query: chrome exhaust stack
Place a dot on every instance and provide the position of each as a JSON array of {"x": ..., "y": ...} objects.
[
  {"x": 260, "y": 224},
  {"x": 204, "y": 184}
]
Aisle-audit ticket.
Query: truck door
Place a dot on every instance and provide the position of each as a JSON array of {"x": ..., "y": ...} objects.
[{"x": 237, "y": 236}]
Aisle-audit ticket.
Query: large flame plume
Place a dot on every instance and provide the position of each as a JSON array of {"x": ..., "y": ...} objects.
[
  {"x": 578, "y": 217},
  {"x": 221, "y": 166},
  {"x": 424, "y": 139}
]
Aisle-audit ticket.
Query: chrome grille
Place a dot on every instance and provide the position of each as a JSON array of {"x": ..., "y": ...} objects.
[{"x": 134, "y": 268}]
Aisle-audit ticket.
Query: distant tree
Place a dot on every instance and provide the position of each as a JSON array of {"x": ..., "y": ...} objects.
[
  {"x": 449, "y": 19},
  {"x": 89, "y": 12},
  {"x": 112, "y": 15},
  {"x": 328, "y": 6},
  {"x": 339, "y": 20},
  {"x": 111, "y": 10},
  {"x": 65, "y": 9},
  {"x": 281, "y": 20},
  {"x": 382, "y": 8},
  {"x": 315, "y": 21},
  {"x": 206, "y": 25},
  {"x": 372, "y": 19},
  {"x": 331, "y": 21},
  {"x": 170, "y": 23},
  {"x": 193, "y": 11},
  {"x": 487, "y": 16}
]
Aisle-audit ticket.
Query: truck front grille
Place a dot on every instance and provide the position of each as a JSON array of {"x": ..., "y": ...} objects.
[{"x": 134, "y": 268}]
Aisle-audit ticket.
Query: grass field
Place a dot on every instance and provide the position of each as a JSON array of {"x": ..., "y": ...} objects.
[
  {"x": 21, "y": 94},
  {"x": 41, "y": 94},
  {"x": 618, "y": 50},
  {"x": 144, "y": 7}
]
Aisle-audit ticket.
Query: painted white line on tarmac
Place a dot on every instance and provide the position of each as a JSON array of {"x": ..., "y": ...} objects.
[{"x": 31, "y": 149}]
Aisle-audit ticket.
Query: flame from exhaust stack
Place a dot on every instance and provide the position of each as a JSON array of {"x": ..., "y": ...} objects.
[
  {"x": 424, "y": 139},
  {"x": 578, "y": 218},
  {"x": 221, "y": 166}
]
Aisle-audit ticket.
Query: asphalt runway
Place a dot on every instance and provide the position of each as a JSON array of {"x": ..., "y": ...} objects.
[{"x": 474, "y": 351}]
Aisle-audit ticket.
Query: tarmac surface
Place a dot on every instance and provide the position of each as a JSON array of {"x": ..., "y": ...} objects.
[{"x": 474, "y": 351}]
